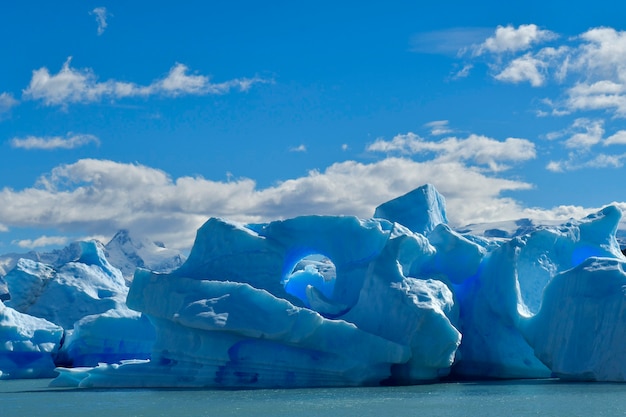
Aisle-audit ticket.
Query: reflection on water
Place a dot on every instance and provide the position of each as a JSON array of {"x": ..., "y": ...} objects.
[{"x": 545, "y": 398}]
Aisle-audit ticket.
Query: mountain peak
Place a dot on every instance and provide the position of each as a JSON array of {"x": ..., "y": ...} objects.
[{"x": 127, "y": 252}]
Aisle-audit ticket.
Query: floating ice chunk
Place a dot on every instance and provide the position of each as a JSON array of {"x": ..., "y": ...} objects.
[
  {"x": 580, "y": 330},
  {"x": 28, "y": 345},
  {"x": 115, "y": 335},
  {"x": 510, "y": 287},
  {"x": 85, "y": 294}
]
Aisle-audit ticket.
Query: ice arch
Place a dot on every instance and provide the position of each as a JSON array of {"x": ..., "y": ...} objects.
[{"x": 315, "y": 270}]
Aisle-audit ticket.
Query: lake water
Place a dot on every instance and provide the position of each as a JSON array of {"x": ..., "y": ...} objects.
[{"x": 519, "y": 398}]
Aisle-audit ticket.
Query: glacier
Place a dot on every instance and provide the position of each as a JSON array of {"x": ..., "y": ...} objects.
[{"x": 399, "y": 298}]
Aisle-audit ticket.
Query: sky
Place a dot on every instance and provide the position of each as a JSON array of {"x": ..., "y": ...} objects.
[{"x": 155, "y": 116}]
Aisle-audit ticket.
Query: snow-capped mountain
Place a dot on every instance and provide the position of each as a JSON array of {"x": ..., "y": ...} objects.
[
  {"x": 53, "y": 258},
  {"x": 128, "y": 253},
  {"x": 123, "y": 252}
]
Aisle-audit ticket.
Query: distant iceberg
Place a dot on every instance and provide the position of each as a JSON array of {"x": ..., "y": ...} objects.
[
  {"x": 400, "y": 298},
  {"x": 78, "y": 307}
]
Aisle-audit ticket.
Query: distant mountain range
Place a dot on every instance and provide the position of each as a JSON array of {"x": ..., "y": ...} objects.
[{"x": 123, "y": 252}]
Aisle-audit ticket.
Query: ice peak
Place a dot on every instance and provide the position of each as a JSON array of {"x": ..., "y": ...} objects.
[{"x": 421, "y": 210}]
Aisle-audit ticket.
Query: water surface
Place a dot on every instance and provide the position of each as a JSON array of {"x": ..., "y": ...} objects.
[{"x": 514, "y": 398}]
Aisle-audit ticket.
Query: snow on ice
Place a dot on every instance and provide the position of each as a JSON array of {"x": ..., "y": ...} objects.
[{"x": 400, "y": 298}]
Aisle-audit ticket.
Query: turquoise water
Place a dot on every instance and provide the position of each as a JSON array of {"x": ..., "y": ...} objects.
[{"x": 519, "y": 398}]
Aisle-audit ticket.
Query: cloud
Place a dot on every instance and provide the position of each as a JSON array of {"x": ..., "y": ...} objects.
[
  {"x": 463, "y": 72},
  {"x": 41, "y": 241},
  {"x": 589, "y": 69},
  {"x": 7, "y": 102},
  {"x": 592, "y": 133},
  {"x": 475, "y": 149},
  {"x": 72, "y": 85},
  {"x": 618, "y": 138},
  {"x": 98, "y": 197},
  {"x": 580, "y": 139},
  {"x": 602, "y": 54},
  {"x": 450, "y": 41},
  {"x": 71, "y": 141},
  {"x": 101, "y": 18},
  {"x": 601, "y": 95},
  {"x": 439, "y": 127},
  {"x": 525, "y": 68},
  {"x": 575, "y": 163},
  {"x": 510, "y": 39},
  {"x": 345, "y": 147},
  {"x": 300, "y": 148}
]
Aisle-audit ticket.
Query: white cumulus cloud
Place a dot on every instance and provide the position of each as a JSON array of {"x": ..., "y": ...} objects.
[
  {"x": 511, "y": 39},
  {"x": 589, "y": 69},
  {"x": 71, "y": 85},
  {"x": 590, "y": 133},
  {"x": 475, "y": 149},
  {"x": 98, "y": 197},
  {"x": 525, "y": 68},
  {"x": 580, "y": 139},
  {"x": 600, "y": 95},
  {"x": 618, "y": 138}
]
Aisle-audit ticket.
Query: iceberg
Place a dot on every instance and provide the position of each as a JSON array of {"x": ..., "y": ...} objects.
[
  {"x": 28, "y": 345},
  {"x": 580, "y": 330},
  {"x": 511, "y": 288},
  {"x": 83, "y": 296},
  {"x": 63, "y": 295},
  {"x": 115, "y": 335},
  {"x": 224, "y": 327},
  {"x": 421, "y": 210},
  {"x": 399, "y": 298}
]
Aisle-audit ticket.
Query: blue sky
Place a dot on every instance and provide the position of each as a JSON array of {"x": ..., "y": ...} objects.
[{"x": 155, "y": 116}]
